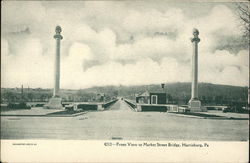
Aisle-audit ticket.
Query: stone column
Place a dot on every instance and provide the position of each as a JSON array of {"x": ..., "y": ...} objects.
[
  {"x": 58, "y": 38},
  {"x": 194, "y": 103},
  {"x": 56, "y": 102}
]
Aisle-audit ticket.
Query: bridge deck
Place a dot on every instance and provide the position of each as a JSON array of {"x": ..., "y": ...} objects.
[{"x": 120, "y": 122}]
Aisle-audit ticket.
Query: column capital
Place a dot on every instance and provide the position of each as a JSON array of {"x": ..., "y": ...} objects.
[
  {"x": 196, "y": 34},
  {"x": 56, "y": 36},
  {"x": 195, "y": 39},
  {"x": 58, "y": 31}
]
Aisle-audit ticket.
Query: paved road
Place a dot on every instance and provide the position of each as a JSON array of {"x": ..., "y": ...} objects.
[{"x": 120, "y": 122}]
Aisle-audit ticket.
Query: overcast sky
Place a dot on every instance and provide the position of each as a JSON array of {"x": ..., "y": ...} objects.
[{"x": 124, "y": 42}]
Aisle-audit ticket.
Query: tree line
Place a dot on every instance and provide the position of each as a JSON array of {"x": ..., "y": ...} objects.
[{"x": 177, "y": 93}]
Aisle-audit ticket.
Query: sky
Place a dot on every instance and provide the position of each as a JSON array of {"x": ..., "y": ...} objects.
[{"x": 120, "y": 43}]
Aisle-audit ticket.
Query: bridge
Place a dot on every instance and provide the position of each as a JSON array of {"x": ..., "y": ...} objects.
[{"x": 120, "y": 121}]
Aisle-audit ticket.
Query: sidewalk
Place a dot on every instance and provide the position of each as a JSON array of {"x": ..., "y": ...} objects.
[
  {"x": 37, "y": 111},
  {"x": 213, "y": 115}
]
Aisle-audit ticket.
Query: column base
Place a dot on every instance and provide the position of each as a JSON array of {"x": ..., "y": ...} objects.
[
  {"x": 54, "y": 103},
  {"x": 194, "y": 105}
]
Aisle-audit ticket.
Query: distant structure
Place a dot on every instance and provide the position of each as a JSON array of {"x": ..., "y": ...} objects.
[
  {"x": 162, "y": 86},
  {"x": 194, "y": 103},
  {"x": 56, "y": 102},
  {"x": 151, "y": 98}
]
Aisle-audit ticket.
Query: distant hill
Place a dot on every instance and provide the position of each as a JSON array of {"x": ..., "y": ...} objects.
[
  {"x": 181, "y": 92},
  {"x": 176, "y": 92}
]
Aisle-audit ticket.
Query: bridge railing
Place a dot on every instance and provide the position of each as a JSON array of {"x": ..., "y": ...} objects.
[
  {"x": 131, "y": 104},
  {"x": 108, "y": 104},
  {"x": 88, "y": 106}
]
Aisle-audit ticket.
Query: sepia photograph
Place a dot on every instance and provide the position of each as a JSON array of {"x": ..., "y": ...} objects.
[{"x": 127, "y": 73}]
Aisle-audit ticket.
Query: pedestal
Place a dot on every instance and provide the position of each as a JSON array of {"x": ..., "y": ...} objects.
[
  {"x": 54, "y": 103},
  {"x": 194, "y": 105}
]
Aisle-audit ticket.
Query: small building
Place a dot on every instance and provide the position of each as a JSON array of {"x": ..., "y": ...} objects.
[
  {"x": 158, "y": 98},
  {"x": 151, "y": 98},
  {"x": 143, "y": 98},
  {"x": 100, "y": 97}
]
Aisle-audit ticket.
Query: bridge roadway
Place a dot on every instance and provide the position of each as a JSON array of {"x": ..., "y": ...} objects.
[
  {"x": 120, "y": 106},
  {"x": 120, "y": 122}
]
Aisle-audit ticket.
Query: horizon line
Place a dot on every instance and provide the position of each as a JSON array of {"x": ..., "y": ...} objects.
[{"x": 122, "y": 85}]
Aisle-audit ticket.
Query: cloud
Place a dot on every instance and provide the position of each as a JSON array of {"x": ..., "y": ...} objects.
[
  {"x": 144, "y": 71},
  {"x": 28, "y": 66},
  {"x": 223, "y": 67},
  {"x": 22, "y": 13},
  {"x": 108, "y": 43},
  {"x": 150, "y": 20}
]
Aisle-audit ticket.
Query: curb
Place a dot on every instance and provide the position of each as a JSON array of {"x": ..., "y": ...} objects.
[
  {"x": 218, "y": 118},
  {"x": 188, "y": 116}
]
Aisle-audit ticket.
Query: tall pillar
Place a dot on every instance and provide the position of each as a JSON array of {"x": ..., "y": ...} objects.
[
  {"x": 56, "y": 102},
  {"x": 194, "y": 103},
  {"x": 58, "y": 38}
]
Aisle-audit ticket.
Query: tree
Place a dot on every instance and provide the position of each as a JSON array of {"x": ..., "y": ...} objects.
[
  {"x": 30, "y": 96},
  {"x": 10, "y": 96},
  {"x": 244, "y": 13}
]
